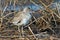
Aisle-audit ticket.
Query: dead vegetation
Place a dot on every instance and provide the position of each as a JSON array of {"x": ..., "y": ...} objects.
[{"x": 42, "y": 27}]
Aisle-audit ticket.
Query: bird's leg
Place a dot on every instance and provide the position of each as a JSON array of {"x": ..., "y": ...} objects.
[
  {"x": 19, "y": 31},
  {"x": 22, "y": 32},
  {"x": 19, "y": 28}
]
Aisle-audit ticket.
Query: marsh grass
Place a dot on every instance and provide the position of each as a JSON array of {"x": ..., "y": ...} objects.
[{"x": 49, "y": 18}]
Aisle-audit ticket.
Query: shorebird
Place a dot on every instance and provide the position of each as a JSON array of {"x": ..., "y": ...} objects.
[{"x": 22, "y": 18}]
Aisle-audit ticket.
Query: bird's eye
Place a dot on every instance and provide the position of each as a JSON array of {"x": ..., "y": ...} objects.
[{"x": 28, "y": 8}]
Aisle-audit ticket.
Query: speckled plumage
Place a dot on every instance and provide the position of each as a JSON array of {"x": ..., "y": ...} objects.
[{"x": 22, "y": 18}]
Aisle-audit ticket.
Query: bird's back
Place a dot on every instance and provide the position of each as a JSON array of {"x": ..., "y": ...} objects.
[{"x": 23, "y": 16}]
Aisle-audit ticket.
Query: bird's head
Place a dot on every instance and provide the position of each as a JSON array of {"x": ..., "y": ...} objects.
[{"x": 27, "y": 10}]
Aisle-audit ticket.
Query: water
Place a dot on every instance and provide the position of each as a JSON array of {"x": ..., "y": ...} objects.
[{"x": 32, "y": 6}]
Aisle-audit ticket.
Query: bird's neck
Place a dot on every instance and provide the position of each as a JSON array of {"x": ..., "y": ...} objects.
[{"x": 26, "y": 12}]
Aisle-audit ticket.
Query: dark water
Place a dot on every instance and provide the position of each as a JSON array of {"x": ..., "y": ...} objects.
[
  {"x": 32, "y": 6},
  {"x": 56, "y": 0}
]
